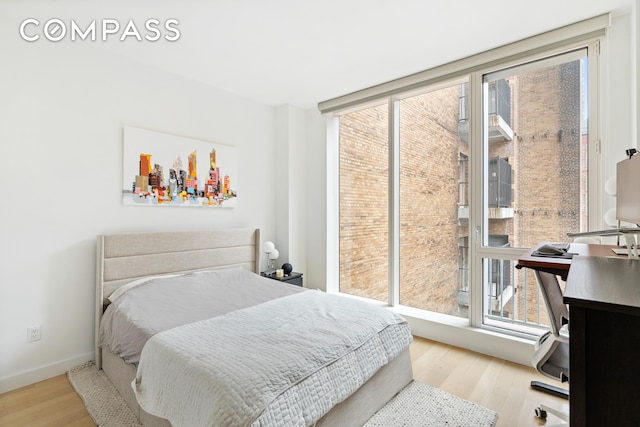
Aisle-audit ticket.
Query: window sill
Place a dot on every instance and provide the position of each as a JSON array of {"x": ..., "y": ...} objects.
[{"x": 456, "y": 331}]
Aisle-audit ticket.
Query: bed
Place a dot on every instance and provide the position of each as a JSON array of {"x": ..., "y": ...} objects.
[{"x": 123, "y": 259}]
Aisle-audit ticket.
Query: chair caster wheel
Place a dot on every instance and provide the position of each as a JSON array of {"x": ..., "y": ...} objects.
[{"x": 541, "y": 413}]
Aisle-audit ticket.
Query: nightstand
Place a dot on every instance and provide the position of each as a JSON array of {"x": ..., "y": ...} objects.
[{"x": 293, "y": 278}]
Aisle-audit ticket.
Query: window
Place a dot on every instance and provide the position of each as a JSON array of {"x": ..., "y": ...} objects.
[
  {"x": 444, "y": 181},
  {"x": 429, "y": 172},
  {"x": 364, "y": 219},
  {"x": 536, "y": 156}
]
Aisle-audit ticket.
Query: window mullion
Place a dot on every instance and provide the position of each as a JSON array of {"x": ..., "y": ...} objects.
[
  {"x": 597, "y": 202},
  {"x": 476, "y": 220},
  {"x": 394, "y": 202}
]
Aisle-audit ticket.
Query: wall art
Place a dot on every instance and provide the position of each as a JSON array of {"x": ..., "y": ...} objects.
[{"x": 160, "y": 169}]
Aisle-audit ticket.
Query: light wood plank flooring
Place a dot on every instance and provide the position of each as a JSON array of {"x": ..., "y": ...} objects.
[
  {"x": 48, "y": 403},
  {"x": 494, "y": 383}
]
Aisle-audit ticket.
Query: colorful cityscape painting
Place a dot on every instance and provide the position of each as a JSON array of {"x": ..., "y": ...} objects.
[{"x": 166, "y": 170}]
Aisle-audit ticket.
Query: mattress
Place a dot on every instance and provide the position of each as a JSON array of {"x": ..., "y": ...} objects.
[{"x": 155, "y": 304}]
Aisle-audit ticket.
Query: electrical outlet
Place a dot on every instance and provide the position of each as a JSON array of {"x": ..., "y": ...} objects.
[{"x": 33, "y": 333}]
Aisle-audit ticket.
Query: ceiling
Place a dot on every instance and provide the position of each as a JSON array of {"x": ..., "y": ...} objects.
[{"x": 302, "y": 52}]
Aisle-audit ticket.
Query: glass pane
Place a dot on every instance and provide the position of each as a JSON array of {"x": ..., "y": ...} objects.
[
  {"x": 502, "y": 309},
  {"x": 499, "y": 290},
  {"x": 537, "y": 154},
  {"x": 433, "y": 201},
  {"x": 536, "y": 165},
  {"x": 364, "y": 212}
]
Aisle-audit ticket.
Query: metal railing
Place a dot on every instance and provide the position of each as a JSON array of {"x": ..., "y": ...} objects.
[
  {"x": 525, "y": 306},
  {"x": 500, "y": 100}
]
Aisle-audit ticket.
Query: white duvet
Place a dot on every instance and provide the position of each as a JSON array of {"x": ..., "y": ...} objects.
[{"x": 285, "y": 362}]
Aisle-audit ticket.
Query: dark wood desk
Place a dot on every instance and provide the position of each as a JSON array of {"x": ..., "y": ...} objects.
[
  {"x": 560, "y": 266},
  {"x": 603, "y": 294}
]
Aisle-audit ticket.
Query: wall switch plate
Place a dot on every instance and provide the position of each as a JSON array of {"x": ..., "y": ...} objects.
[{"x": 33, "y": 333}]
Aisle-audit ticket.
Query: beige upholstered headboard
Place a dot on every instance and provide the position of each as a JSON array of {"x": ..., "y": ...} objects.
[{"x": 122, "y": 258}]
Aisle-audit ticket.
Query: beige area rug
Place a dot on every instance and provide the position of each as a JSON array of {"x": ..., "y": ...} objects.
[{"x": 417, "y": 405}]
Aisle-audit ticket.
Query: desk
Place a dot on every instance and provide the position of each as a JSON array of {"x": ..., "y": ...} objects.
[
  {"x": 603, "y": 294},
  {"x": 604, "y": 298},
  {"x": 560, "y": 266}
]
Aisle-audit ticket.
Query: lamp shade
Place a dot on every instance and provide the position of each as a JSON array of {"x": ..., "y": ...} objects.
[
  {"x": 269, "y": 247},
  {"x": 274, "y": 254},
  {"x": 610, "y": 186},
  {"x": 610, "y": 218}
]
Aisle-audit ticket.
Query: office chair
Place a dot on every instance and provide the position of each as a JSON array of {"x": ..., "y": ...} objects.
[{"x": 551, "y": 357}]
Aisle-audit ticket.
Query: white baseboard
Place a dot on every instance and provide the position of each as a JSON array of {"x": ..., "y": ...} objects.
[{"x": 41, "y": 373}]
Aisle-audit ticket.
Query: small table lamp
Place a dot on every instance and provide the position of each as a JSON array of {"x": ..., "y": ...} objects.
[{"x": 272, "y": 255}]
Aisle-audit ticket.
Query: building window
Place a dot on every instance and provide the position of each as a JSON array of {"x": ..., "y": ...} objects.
[{"x": 443, "y": 185}]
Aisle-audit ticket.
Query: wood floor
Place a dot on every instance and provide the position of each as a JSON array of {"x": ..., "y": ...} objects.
[
  {"x": 494, "y": 383},
  {"x": 48, "y": 403}
]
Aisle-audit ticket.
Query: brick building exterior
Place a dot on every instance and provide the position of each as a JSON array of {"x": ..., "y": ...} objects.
[
  {"x": 364, "y": 207},
  {"x": 547, "y": 190}
]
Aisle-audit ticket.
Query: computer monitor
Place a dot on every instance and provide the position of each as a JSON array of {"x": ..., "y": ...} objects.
[{"x": 628, "y": 190}]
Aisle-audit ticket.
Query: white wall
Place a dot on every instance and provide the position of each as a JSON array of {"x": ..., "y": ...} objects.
[
  {"x": 289, "y": 187},
  {"x": 62, "y": 111},
  {"x": 618, "y": 92},
  {"x": 316, "y": 200}
]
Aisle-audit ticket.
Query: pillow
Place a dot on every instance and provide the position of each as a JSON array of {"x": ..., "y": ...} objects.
[{"x": 127, "y": 287}]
